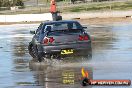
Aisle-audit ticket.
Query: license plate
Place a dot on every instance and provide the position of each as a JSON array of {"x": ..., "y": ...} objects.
[{"x": 68, "y": 51}]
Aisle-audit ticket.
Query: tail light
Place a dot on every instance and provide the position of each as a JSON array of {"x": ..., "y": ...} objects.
[
  {"x": 45, "y": 41},
  {"x": 48, "y": 40},
  {"x": 85, "y": 37},
  {"x": 51, "y": 39},
  {"x": 81, "y": 38}
]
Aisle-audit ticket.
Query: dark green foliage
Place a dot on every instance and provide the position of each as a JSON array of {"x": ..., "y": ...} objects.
[
  {"x": 9, "y": 3},
  {"x": 19, "y": 3},
  {"x": 100, "y": 0},
  {"x": 59, "y": 0}
]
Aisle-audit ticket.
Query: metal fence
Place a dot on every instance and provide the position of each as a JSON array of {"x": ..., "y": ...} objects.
[
  {"x": 41, "y": 6},
  {"x": 46, "y": 2}
]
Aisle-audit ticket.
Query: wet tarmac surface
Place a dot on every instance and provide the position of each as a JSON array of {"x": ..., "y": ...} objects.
[{"x": 111, "y": 59}]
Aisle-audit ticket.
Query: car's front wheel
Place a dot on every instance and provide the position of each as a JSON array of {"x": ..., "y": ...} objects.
[{"x": 30, "y": 49}]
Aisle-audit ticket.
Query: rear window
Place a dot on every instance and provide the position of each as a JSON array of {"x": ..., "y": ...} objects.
[
  {"x": 62, "y": 32},
  {"x": 62, "y": 26},
  {"x": 58, "y": 28}
]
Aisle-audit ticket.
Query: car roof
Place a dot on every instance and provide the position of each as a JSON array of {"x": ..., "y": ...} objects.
[{"x": 60, "y": 21}]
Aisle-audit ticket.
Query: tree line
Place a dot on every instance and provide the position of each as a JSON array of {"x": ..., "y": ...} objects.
[{"x": 9, "y": 3}]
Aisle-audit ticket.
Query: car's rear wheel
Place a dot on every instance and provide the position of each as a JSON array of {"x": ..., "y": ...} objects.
[
  {"x": 37, "y": 55},
  {"x": 33, "y": 51}
]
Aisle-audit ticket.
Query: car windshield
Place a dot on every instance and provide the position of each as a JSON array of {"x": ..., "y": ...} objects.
[{"x": 59, "y": 26}]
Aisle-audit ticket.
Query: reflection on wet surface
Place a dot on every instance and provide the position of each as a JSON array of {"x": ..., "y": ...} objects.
[
  {"x": 57, "y": 76},
  {"x": 111, "y": 59}
]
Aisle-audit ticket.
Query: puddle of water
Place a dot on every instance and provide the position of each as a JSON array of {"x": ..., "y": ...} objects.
[{"x": 111, "y": 58}]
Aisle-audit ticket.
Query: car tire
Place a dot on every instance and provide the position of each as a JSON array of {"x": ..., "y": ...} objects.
[
  {"x": 33, "y": 51},
  {"x": 30, "y": 49},
  {"x": 37, "y": 56}
]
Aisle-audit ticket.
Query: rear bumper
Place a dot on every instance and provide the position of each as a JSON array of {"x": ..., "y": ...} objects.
[{"x": 77, "y": 47}]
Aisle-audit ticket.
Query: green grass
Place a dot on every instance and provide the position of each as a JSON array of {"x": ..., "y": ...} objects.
[
  {"x": 98, "y": 6},
  {"x": 101, "y": 6}
]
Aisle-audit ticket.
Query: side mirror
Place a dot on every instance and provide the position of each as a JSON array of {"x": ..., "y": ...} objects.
[
  {"x": 32, "y": 32},
  {"x": 48, "y": 28},
  {"x": 85, "y": 27}
]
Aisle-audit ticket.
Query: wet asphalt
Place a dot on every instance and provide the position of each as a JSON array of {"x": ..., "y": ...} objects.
[{"x": 111, "y": 59}]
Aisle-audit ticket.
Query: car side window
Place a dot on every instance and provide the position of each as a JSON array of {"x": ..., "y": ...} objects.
[{"x": 47, "y": 28}]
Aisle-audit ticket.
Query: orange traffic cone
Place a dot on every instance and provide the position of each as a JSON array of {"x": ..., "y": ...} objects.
[{"x": 52, "y": 6}]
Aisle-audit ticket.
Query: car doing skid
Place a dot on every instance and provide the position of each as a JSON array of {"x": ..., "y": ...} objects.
[{"x": 59, "y": 38}]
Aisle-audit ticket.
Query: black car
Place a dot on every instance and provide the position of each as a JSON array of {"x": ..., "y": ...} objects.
[{"x": 59, "y": 38}]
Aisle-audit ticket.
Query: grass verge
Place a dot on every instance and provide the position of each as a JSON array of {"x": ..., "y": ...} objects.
[
  {"x": 82, "y": 7},
  {"x": 100, "y": 6}
]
